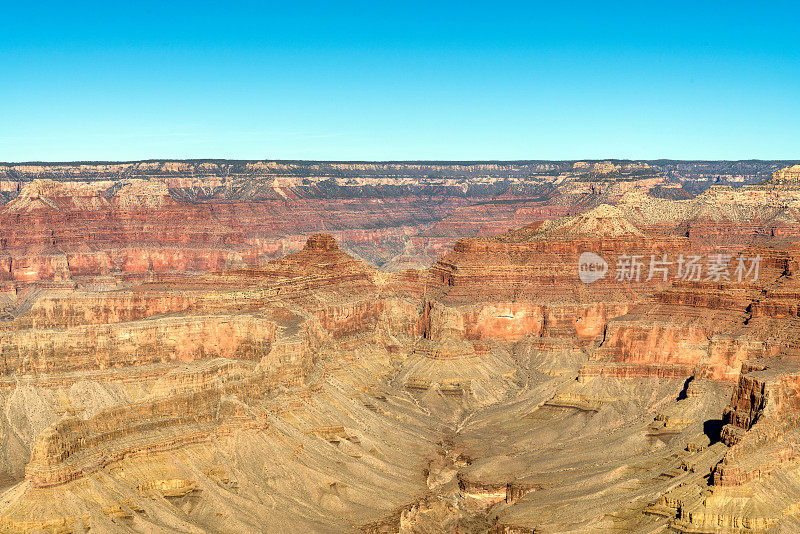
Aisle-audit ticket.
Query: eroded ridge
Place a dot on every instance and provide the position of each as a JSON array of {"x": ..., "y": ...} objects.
[{"x": 495, "y": 391}]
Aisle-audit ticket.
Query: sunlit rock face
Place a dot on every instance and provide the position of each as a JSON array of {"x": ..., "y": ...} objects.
[
  {"x": 135, "y": 221},
  {"x": 161, "y": 371}
]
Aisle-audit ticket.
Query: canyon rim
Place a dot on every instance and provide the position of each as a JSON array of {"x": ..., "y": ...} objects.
[
  {"x": 409, "y": 267},
  {"x": 257, "y": 346}
]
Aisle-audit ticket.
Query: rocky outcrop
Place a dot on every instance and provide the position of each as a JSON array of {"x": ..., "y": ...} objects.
[
  {"x": 135, "y": 343},
  {"x": 152, "y": 363},
  {"x": 762, "y": 422},
  {"x": 130, "y": 219},
  {"x": 788, "y": 175}
]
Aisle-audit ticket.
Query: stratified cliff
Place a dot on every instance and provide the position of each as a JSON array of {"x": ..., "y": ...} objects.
[
  {"x": 65, "y": 222},
  {"x": 598, "y": 348}
]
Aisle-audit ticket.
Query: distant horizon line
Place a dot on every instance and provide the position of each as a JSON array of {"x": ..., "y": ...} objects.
[{"x": 396, "y": 161}]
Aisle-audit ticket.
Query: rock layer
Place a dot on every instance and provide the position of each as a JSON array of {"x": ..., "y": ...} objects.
[{"x": 182, "y": 381}]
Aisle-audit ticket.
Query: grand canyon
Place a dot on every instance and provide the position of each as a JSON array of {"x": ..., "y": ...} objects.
[{"x": 400, "y": 347}]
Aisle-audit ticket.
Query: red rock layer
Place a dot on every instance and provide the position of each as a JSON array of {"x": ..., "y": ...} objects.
[{"x": 762, "y": 423}]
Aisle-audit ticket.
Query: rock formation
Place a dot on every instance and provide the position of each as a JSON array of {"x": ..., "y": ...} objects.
[{"x": 592, "y": 350}]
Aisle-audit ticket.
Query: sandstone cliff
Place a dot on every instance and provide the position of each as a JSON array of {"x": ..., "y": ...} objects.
[{"x": 162, "y": 373}]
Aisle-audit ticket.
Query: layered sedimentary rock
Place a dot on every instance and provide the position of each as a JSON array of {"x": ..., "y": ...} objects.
[
  {"x": 156, "y": 379},
  {"x": 246, "y": 367},
  {"x": 788, "y": 175},
  {"x": 138, "y": 219}
]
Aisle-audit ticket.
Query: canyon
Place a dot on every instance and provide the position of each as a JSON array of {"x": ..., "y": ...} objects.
[{"x": 410, "y": 347}]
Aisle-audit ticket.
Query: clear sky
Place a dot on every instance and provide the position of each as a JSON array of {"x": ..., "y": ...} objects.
[{"x": 399, "y": 80}]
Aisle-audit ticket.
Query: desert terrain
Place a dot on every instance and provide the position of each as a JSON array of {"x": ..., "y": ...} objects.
[{"x": 228, "y": 346}]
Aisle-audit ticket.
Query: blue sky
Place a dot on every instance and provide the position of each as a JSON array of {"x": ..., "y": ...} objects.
[{"x": 399, "y": 80}]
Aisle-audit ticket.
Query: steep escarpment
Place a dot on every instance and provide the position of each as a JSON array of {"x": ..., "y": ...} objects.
[
  {"x": 608, "y": 362},
  {"x": 272, "y": 373},
  {"x": 135, "y": 220},
  {"x": 530, "y": 281}
]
